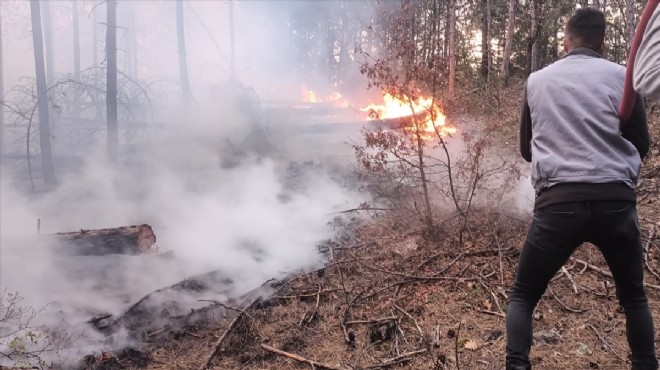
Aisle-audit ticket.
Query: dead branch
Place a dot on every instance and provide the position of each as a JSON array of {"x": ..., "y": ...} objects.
[
  {"x": 419, "y": 329},
  {"x": 218, "y": 343},
  {"x": 306, "y": 294},
  {"x": 495, "y": 299},
  {"x": 397, "y": 360},
  {"x": 374, "y": 321},
  {"x": 562, "y": 304},
  {"x": 607, "y": 344},
  {"x": 316, "y": 309},
  {"x": 458, "y": 332},
  {"x": 646, "y": 253},
  {"x": 570, "y": 278},
  {"x": 298, "y": 358},
  {"x": 226, "y": 306},
  {"x": 607, "y": 273}
]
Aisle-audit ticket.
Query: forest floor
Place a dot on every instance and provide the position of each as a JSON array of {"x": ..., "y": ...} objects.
[{"x": 394, "y": 296}]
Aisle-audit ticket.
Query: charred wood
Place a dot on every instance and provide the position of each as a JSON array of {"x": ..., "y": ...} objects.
[{"x": 131, "y": 240}]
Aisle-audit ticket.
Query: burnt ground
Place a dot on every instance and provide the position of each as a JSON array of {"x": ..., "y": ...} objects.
[{"x": 393, "y": 296}]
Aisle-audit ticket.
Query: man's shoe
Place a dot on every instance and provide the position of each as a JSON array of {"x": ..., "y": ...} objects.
[{"x": 510, "y": 367}]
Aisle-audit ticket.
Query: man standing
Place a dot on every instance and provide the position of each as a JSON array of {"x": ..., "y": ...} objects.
[{"x": 585, "y": 165}]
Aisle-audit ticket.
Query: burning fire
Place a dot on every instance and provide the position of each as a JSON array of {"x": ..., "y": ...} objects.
[
  {"x": 336, "y": 99},
  {"x": 425, "y": 109}
]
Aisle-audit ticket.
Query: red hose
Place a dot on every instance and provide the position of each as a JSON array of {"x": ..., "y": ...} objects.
[{"x": 628, "y": 101}]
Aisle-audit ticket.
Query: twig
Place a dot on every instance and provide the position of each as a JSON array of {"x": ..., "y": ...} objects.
[
  {"x": 365, "y": 209},
  {"x": 306, "y": 294},
  {"x": 226, "y": 306},
  {"x": 374, "y": 321},
  {"x": 607, "y": 344},
  {"x": 570, "y": 278},
  {"x": 499, "y": 255},
  {"x": 216, "y": 347},
  {"x": 495, "y": 299},
  {"x": 316, "y": 309},
  {"x": 421, "y": 333},
  {"x": 646, "y": 252},
  {"x": 300, "y": 358},
  {"x": 562, "y": 304},
  {"x": 458, "y": 332},
  {"x": 607, "y": 273},
  {"x": 398, "y": 359}
]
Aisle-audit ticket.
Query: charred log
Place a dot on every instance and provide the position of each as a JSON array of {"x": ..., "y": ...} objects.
[{"x": 131, "y": 240}]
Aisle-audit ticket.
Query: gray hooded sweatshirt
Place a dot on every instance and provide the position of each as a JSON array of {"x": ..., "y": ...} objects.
[
  {"x": 646, "y": 75},
  {"x": 571, "y": 132}
]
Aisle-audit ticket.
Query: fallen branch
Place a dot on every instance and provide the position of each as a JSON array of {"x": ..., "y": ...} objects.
[
  {"x": 607, "y": 273},
  {"x": 646, "y": 253},
  {"x": 306, "y": 294},
  {"x": 562, "y": 304},
  {"x": 225, "y": 306},
  {"x": 419, "y": 329},
  {"x": 397, "y": 360},
  {"x": 298, "y": 358},
  {"x": 218, "y": 343},
  {"x": 374, "y": 321},
  {"x": 570, "y": 278},
  {"x": 607, "y": 344}
]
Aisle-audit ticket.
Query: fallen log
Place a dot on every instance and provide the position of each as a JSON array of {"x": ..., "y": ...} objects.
[{"x": 131, "y": 240}]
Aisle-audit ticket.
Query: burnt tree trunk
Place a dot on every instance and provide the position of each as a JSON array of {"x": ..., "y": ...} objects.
[
  {"x": 131, "y": 240},
  {"x": 48, "y": 167},
  {"x": 111, "y": 95}
]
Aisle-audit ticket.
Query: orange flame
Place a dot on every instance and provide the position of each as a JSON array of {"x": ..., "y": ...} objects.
[
  {"x": 335, "y": 98},
  {"x": 425, "y": 109}
]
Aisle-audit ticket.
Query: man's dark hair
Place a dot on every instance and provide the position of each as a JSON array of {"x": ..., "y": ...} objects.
[{"x": 587, "y": 28}]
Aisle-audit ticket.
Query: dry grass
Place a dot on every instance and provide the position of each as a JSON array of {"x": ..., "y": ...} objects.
[{"x": 397, "y": 292}]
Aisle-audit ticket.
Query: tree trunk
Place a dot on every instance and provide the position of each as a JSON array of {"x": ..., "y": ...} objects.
[
  {"x": 48, "y": 167},
  {"x": 123, "y": 240},
  {"x": 133, "y": 41},
  {"x": 508, "y": 45},
  {"x": 48, "y": 38},
  {"x": 232, "y": 42},
  {"x": 76, "y": 59},
  {"x": 95, "y": 37},
  {"x": 2, "y": 95},
  {"x": 445, "y": 49},
  {"x": 533, "y": 43},
  {"x": 630, "y": 23},
  {"x": 452, "y": 48},
  {"x": 485, "y": 48},
  {"x": 111, "y": 96},
  {"x": 183, "y": 61}
]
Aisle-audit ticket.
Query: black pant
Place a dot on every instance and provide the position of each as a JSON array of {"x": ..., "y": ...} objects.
[{"x": 556, "y": 231}]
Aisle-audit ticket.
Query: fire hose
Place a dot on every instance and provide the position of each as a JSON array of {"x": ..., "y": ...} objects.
[{"x": 628, "y": 100}]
